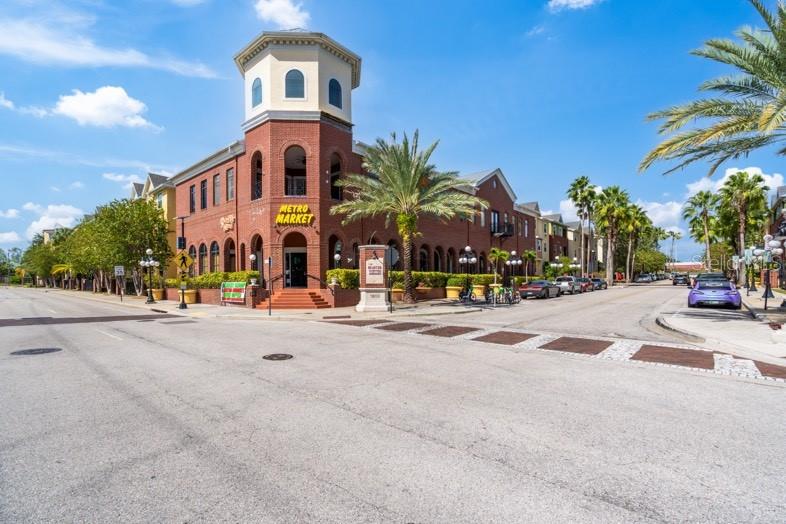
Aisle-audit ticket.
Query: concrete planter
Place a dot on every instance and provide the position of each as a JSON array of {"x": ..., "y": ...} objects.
[
  {"x": 158, "y": 294},
  {"x": 190, "y": 296},
  {"x": 397, "y": 295},
  {"x": 452, "y": 291},
  {"x": 479, "y": 290}
]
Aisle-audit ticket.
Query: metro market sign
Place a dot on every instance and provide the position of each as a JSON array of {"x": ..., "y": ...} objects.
[{"x": 294, "y": 215}]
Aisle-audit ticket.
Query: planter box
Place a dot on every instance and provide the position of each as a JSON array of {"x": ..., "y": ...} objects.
[
  {"x": 209, "y": 296},
  {"x": 452, "y": 291},
  {"x": 429, "y": 293},
  {"x": 397, "y": 295},
  {"x": 158, "y": 294}
]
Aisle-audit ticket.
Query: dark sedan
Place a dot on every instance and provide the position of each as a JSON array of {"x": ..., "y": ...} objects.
[
  {"x": 599, "y": 283},
  {"x": 539, "y": 289},
  {"x": 681, "y": 280}
]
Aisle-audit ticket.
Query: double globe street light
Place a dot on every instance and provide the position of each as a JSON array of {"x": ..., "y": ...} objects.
[
  {"x": 513, "y": 262},
  {"x": 773, "y": 250},
  {"x": 467, "y": 257},
  {"x": 148, "y": 263}
]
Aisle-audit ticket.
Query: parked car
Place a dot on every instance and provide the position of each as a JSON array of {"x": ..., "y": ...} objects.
[
  {"x": 568, "y": 285},
  {"x": 681, "y": 280},
  {"x": 539, "y": 289},
  {"x": 586, "y": 284},
  {"x": 643, "y": 278},
  {"x": 600, "y": 283},
  {"x": 715, "y": 293}
]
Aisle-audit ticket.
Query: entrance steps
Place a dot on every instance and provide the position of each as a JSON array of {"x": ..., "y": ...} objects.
[{"x": 292, "y": 298}]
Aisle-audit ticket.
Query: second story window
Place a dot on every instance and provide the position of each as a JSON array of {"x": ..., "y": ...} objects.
[
  {"x": 230, "y": 184},
  {"x": 526, "y": 228},
  {"x": 203, "y": 194},
  {"x": 192, "y": 199},
  {"x": 295, "y": 85},
  {"x": 256, "y": 177},
  {"x": 216, "y": 189},
  {"x": 336, "y": 191},
  {"x": 256, "y": 92},
  {"x": 334, "y": 93},
  {"x": 295, "y": 171},
  {"x": 494, "y": 221}
]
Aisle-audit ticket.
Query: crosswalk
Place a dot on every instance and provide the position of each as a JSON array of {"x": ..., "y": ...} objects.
[{"x": 655, "y": 353}]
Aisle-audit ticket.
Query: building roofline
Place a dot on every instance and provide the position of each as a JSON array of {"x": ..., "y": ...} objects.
[
  {"x": 266, "y": 38},
  {"x": 236, "y": 148}
]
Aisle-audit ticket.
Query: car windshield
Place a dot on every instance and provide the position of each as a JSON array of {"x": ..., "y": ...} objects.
[
  {"x": 538, "y": 283},
  {"x": 563, "y": 279},
  {"x": 714, "y": 284},
  {"x": 711, "y": 276}
]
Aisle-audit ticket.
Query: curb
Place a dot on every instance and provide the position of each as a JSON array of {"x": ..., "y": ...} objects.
[
  {"x": 751, "y": 311},
  {"x": 660, "y": 321}
]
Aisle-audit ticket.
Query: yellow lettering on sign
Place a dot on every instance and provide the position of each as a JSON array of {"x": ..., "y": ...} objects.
[{"x": 297, "y": 214}]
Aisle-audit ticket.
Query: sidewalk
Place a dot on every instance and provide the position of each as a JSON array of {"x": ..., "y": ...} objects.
[{"x": 236, "y": 312}]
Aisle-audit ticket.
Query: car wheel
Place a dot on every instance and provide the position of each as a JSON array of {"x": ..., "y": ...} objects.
[
  {"x": 738, "y": 306},
  {"x": 691, "y": 305}
]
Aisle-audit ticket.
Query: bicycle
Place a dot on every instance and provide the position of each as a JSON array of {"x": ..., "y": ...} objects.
[{"x": 467, "y": 295}]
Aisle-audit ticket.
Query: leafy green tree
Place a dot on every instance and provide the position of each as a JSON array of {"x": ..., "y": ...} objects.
[
  {"x": 610, "y": 210},
  {"x": 633, "y": 223},
  {"x": 699, "y": 212},
  {"x": 743, "y": 196},
  {"x": 650, "y": 260},
  {"x": 747, "y": 110},
  {"x": 403, "y": 186}
]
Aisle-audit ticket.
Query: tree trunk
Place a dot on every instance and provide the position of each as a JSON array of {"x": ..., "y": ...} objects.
[
  {"x": 741, "y": 248},
  {"x": 409, "y": 295},
  {"x": 609, "y": 259},
  {"x": 589, "y": 238},
  {"x": 628, "y": 266},
  {"x": 707, "y": 242}
]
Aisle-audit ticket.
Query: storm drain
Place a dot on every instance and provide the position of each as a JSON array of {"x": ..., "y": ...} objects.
[
  {"x": 36, "y": 351},
  {"x": 277, "y": 356}
]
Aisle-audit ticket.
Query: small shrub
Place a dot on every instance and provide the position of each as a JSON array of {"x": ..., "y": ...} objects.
[
  {"x": 456, "y": 281},
  {"x": 482, "y": 279},
  {"x": 346, "y": 278}
]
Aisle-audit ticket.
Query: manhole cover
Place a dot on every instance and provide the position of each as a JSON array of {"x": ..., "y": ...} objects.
[
  {"x": 277, "y": 356},
  {"x": 36, "y": 351}
]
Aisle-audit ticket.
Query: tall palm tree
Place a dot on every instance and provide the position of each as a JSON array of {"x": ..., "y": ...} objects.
[
  {"x": 743, "y": 195},
  {"x": 699, "y": 212},
  {"x": 403, "y": 187},
  {"x": 674, "y": 236},
  {"x": 581, "y": 193},
  {"x": 497, "y": 255},
  {"x": 633, "y": 223},
  {"x": 749, "y": 110},
  {"x": 609, "y": 213}
]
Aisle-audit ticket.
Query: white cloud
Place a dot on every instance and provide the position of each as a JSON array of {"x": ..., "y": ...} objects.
[
  {"x": 9, "y": 213},
  {"x": 60, "y": 43},
  {"x": 286, "y": 14},
  {"x": 107, "y": 106},
  {"x": 76, "y": 185},
  {"x": 568, "y": 210},
  {"x": 38, "y": 112},
  {"x": 51, "y": 216},
  {"x": 536, "y": 30},
  {"x": 9, "y": 237},
  {"x": 54, "y": 188},
  {"x": 559, "y": 5},
  {"x": 126, "y": 180},
  {"x": 4, "y": 102},
  {"x": 772, "y": 181},
  {"x": 663, "y": 214},
  {"x": 63, "y": 157}
]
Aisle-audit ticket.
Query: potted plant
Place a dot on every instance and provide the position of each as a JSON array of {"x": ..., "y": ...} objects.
[
  {"x": 397, "y": 290},
  {"x": 479, "y": 283},
  {"x": 455, "y": 285}
]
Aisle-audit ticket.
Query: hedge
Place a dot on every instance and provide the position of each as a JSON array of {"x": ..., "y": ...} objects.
[
  {"x": 346, "y": 278},
  {"x": 213, "y": 280}
]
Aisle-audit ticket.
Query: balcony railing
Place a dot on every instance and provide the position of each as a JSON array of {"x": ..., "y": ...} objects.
[{"x": 502, "y": 230}]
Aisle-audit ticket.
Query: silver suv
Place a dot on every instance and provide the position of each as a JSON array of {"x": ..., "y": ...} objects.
[{"x": 568, "y": 285}]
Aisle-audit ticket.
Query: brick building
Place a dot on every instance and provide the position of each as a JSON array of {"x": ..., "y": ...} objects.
[{"x": 270, "y": 193}]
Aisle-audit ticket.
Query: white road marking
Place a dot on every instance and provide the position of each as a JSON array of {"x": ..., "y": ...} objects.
[
  {"x": 109, "y": 334},
  {"x": 51, "y": 310}
]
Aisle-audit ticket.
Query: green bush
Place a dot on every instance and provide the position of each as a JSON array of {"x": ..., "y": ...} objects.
[
  {"x": 242, "y": 276},
  {"x": 346, "y": 278},
  {"x": 456, "y": 281},
  {"x": 483, "y": 279}
]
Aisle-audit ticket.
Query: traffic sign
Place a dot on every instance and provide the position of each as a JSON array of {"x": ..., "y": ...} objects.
[
  {"x": 120, "y": 271},
  {"x": 183, "y": 261}
]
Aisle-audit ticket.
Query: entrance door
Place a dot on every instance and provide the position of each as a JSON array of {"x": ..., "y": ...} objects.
[{"x": 296, "y": 269}]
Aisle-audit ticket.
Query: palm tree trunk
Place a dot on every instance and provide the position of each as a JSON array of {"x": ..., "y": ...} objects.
[
  {"x": 589, "y": 238},
  {"x": 741, "y": 247},
  {"x": 581, "y": 233},
  {"x": 707, "y": 242},
  {"x": 628, "y": 265},
  {"x": 409, "y": 295},
  {"x": 609, "y": 258}
]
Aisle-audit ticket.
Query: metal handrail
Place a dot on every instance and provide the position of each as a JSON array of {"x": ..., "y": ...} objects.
[{"x": 273, "y": 280}]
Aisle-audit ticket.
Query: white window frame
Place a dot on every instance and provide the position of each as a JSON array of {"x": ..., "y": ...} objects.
[{"x": 305, "y": 85}]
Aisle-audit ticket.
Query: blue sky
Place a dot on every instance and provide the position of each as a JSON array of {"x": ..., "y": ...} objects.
[{"x": 95, "y": 93}]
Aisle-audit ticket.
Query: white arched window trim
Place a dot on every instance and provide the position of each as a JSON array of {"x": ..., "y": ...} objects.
[{"x": 256, "y": 92}]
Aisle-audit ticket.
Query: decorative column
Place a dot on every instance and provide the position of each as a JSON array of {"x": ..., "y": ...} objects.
[{"x": 373, "y": 278}]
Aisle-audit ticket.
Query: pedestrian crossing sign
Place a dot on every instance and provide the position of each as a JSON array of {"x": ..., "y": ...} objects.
[{"x": 183, "y": 261}]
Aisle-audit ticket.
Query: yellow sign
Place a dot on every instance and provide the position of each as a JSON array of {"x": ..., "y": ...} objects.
[
  {"x": 294, "y": 215},
  {"x": 183, "y": 261}
]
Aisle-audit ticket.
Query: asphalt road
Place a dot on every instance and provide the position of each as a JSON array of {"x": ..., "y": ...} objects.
[{"x": 173, "y": 420}]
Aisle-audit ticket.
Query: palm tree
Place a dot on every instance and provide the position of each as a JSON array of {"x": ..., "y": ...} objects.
[
  {"x": 581, "y": 193},
  {"x": 497, "y": 255},
  {"x": 699, "y": 212},
  {"x": 609, "y": 212},
  {"x": 750, "y": 111},
  {"x": 743, "y": 195},
  {"x": 403, "y": 186},
  {"x": 528, "y": 256},
  {"x": 674, "y": 236},
  {"x": 634, "y": 221}
]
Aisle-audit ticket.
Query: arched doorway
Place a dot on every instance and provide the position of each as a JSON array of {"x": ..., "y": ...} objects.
[
  {"x": 451, "y": 261},
  {"x": 336, "y": 191},
  {"x": 437, "y": 259},
  {"x": 256, "y": 249},
  {"x": 242, "y": 257},
  {"x": 423, "y": 258},
  {"x": 295, "y": 260},
  {"x": 335, "y": 247},
  {"x": 230, "y": 256}
]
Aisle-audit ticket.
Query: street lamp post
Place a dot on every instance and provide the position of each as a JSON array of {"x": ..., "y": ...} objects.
[
  {"x": 467, "y": 258},
  {"x": 149, "y": 264},
  {"x": 513, "y": 262},
  {"x": 337, "y": 258},
  {"x": 773, "y": 249}
]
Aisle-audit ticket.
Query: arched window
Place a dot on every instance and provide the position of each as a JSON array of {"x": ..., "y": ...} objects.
[
  {"x": 214, "y": 257},
  {"x": 423, "y": 259},
  {"x": 336, "y": 191},
  {"x": 334, "y": 93},
  {"x": 192, "y": 254},
  {"x": 256, "y": 176},
  {"x": 256, "y": 92},
  {"x": 295, "y": 85},
  {"x": 295, "y": 171},
  {"x": 202, "y": 258}
]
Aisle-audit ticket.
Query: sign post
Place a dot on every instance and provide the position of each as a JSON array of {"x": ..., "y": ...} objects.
[
  {"x": 184, "y": 261},
  {"x": 120, "y": 273},
  {"x": 373, "y": 291}
]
